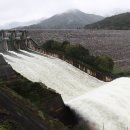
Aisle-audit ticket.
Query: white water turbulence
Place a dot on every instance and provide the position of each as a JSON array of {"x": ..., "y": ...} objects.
[
  {"x": 67, "y": 80},
  {"x": 108, "y": 105},
  {"x": 96, "y": 101}
]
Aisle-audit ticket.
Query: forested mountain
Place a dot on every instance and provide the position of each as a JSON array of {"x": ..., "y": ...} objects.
[{"x": 117, "y": 22}]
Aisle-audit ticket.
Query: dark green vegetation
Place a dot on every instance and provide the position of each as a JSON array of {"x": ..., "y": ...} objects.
[
  {"x": 14, "y": 110},
  {"x": 117, "y": 22},
  {"x": 30, "y": 99},
  {"x": 117, "y": 73},
  {"x": 80, "y": 54},
  {"x": 9, "y": 125},
  {"x": 32, "y": 91},
  {"x": 69, "y": 20}
]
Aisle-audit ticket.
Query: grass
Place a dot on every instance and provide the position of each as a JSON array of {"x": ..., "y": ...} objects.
[{"x": 9, "y": 124}]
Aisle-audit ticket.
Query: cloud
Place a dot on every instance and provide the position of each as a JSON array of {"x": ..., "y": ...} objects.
[{"x": 24, "y": 10}]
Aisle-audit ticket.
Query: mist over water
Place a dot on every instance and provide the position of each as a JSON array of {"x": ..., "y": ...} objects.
[
  {"x": 96, "y": 101},
  {"x": 108, "y": 105}
]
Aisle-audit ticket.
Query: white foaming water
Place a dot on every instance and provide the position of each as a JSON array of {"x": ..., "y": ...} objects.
[
  {"x": 69, "y": 81},
  {"x": 108, "y": 104}
]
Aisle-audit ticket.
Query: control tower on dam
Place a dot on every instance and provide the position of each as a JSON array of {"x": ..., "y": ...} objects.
[{"x": 13, "y": 40}]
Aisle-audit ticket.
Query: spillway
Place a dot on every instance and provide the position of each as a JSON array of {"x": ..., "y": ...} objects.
[
  {"x": 105, "y": 105},
  {"x": 67, "y": 80}
]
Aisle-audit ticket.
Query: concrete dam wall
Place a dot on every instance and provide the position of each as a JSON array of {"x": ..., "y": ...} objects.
[{"x": 19, "y": 40}]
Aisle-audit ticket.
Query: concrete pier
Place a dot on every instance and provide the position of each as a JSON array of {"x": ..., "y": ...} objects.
[{"x": 13, "y": 40}]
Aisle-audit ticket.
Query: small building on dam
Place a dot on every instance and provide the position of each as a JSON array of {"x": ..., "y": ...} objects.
[{"x": 13, "y": 39}]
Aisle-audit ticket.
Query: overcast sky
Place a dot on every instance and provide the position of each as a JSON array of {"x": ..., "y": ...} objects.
[{"x": 25, "y": 10}]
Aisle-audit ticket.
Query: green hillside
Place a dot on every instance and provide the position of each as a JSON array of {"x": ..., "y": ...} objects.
[{"x": 117, "y": 22}]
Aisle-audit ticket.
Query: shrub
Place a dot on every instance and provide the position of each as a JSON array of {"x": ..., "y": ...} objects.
[
  {"x": 104, "y": 63},
  {"x": 76, "y": 51},
  {"x": 52, "y": 45},
  {"x": 80, "y": 54},
  {"x": 64, "y": 44}
]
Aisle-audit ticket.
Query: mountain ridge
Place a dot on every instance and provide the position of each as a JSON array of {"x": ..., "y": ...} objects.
[{"x": 71, "y": 19}]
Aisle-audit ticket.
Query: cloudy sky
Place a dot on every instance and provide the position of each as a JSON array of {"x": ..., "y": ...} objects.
[{"x": 25, "y": 10}]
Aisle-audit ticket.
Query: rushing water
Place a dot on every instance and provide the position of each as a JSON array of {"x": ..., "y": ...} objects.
[
  {"x": 69, "y": 81},
  {"x": 108, "y": 104}
]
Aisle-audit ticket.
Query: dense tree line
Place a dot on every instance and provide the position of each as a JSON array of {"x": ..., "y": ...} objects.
[{"x": 81, "y": 54}]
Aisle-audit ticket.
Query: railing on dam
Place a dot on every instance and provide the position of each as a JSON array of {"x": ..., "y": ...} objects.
[{"x": 33, "y": 46}]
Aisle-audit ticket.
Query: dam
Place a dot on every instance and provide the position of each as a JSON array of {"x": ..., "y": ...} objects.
[{"x": 97, "y": 102}]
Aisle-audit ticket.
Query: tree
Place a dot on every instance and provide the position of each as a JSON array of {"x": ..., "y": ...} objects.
[
  {"x": 76, "y": 51},
  {"x": 64, "y": 44},
  {"x": 52, "y": 45},
  {"x": 48, "y": 45},
  {"x": 104, "y": 63}
]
